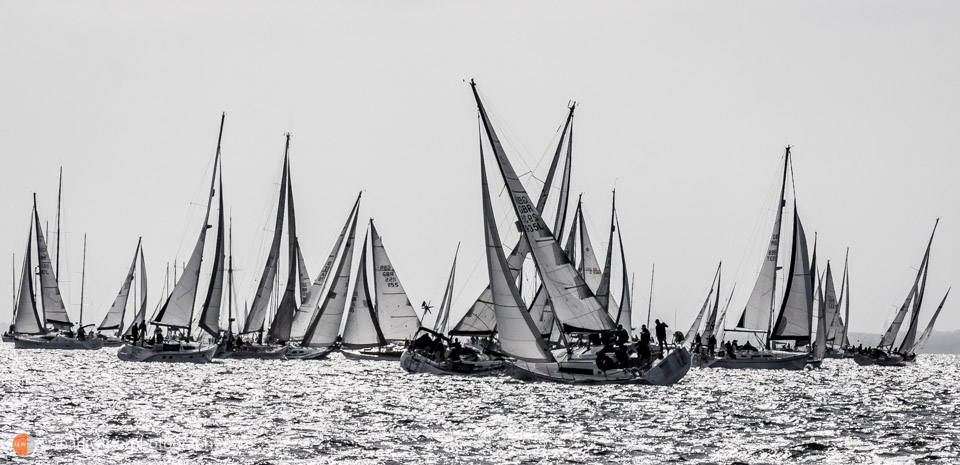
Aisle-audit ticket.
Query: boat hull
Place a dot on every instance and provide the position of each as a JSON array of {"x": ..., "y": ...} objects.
[
  {"x": 112, "y": 342},
  {"x": 56, "y": 342},
  {"x": 253, "y": 351},
  {"x": 387, "y": 355},
  {"x": 171, "y": 353},
  {"x": 759, "y": 360},
  {"x": 415, "y": 362},
  {"x": 308, "y": 353},
  {"x": 8, "y": 337},
  {"x": 887, "y": 360},
  {"x": 664, "y": 372}
]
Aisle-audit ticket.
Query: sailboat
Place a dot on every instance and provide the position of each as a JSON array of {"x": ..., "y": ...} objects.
[
  {"x": 376, "y": 330},
  {"x": 114, "y": 318},
  {"x": 885, "y": 354},
  {"x": 278, "y": 333},
  {"x": 838, "y": 345},
  {"x": 176, "y": 313},
  {"x": 576, "y": 308},
  {"x": 431, "y": 352},
  {"x": 794, "y": 319},
  {"x": 315, "y": 327}
]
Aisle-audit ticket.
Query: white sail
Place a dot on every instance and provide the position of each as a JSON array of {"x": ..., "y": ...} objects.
[
  {"x": 303, "y": 275},
  {"x": 54, "y": 312},
  {"x": 114, "y": 317},
  {"x": 258, "y": 310},
  {"x": 910, "y": 338},
  {"x": 891, "y": 334},
  {"x": 830, "y": 310},
  {"x": 758, "y": 312},
  {"x": 589, "y": 266},
  {"x": 796, "y": 313},
  {"x": 723, "y": 313},
  {"x": 362, "y": 328},
  {"x": 709, "y": 325},
  {"x": 694, "y": 328},
  {"x": 625, "y": 315},
  {"x": 922, "y": 340},
  {"x": 27, "y": 317},
  {"x": 282, "y": 323},
  {"x": 210, "y": 310},
  {"x": 308, "y": 307},
  {"x": 573, "y": 302},
  {"x": 141, "y": 313},
  {"x": 398, "y": 319},
  {"x": 325, "y": 326},
  {"x": 820, "y": 346},
  {"x": 517, "y": 333},
  {"x": 443, "y": 315}
]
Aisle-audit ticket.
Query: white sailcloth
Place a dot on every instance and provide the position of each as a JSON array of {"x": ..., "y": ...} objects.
[
  {"x": 27, "y": 318},
  {"x": 210, "y": 310},
  {"x": 589, "y": 266},
  {"x": 820, "y": 346},
  {"x": 258, "y": 309},
  {"x": 443, "y": 315},
  {"x": 325, "y": 326},
  {"x": 54, "y": 312},
  {"x": 141, "y": 314},
  {"x": 398, "y": 319},
  {"x": 910, "y": 338},
  {"x": 518, "y": 335},
  {"x": 796, "y": 313},
  {"x": 922, "y": 340},
  {"x": 114, "y": 317},
  {"x": 309, "y": 305},
  {"x": 830, "y": 310},
  {"x": 362, "y": 328},
  {"x": 573, "y": 302}
]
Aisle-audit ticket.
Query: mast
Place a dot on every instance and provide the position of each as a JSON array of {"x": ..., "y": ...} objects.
[
  {"x": 230, "y": 286},
  {"x": 59, "y": 197},
  {"x": 83, "y": 276},
  {"x": 653, "y": 270}
]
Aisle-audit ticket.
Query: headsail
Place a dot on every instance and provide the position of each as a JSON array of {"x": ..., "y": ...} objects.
[
  {"x": 27, "y": 319},
  {"x": 695, "y": 327},
  {"x": 283, "y": 320},
  {"x": 398, "y": 319},
  {"x": 589, "y": 266},
  {"x": 443, "y": 315},
  {"x": 922, "y": 340},
  {"x": 573, "y": 302},
  {"x": 54, "y": 312},
  {"x": 910, "y": 338},
  {"x": 829, "y": 303},
  {"x": 114, "y": 317},
  {"x": 308, "y": 307},
  {"x": 711, "y": 324},
  {"x": 141, "y": 314},
  {"x": 210, "y": 311},
  {"x": 820, "y": 346},
  {"x": 323, "y": 330},
  {"x": 796, "y": 312},
  {"x": 362, "y": 328}
]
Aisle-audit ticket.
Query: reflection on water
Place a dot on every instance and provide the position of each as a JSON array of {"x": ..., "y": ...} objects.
[{"x": 89, "y": 405}]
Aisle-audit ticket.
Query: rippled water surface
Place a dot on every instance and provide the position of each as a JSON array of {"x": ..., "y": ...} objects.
[{"x": 90, "y": 407}]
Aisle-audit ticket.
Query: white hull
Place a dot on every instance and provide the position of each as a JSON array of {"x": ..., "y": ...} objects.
[
  {"x": 415, "y": 362},
  {"x": 663, "y": 372},
  {"x": 270, "y": 352},
  {"x": 189, "y": 352},
  {"x": 389, "y": 354},
  {"x": 308, "y": 353},
  {"x": 756, "y": 360},
  {"x": 56, "y": 342}
]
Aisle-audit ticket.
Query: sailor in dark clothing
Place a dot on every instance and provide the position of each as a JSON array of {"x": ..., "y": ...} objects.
[
  {"x": 697, "y": 343},
  {"x": 622, "y": 336},
  {"x": 644, "y": 335},
  {"x": 157, "y": 336},
  {"x": 662, "y": 335},
  {"x": 134, "y": 333},
  {"x": 143, "y": 332},
  {"x": 711, "y": 344}
]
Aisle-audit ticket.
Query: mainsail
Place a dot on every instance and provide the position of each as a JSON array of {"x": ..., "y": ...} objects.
[
  {"x": 830, "y": 306},
  {"x": 54, "y": 312},
  {"x": 759, "y": 310},
  {"x": 323, "y": 330},
  {"x": 141, "y": 315},
  {"x": 891, "y": 335},
  {"x": 398, "y": 319},
  {"x": 282, "y": 324},
  {"x": 114, "y": 317},
  {"x": 308, "y": 306},
  {"x": 518, "y": 335},
  {"x": 210, "y": 311},
  {"x": 177, "y": 311},
  {"x": 362, "y": 328},
  {"x": 910, "y": 338},
  {"x": 27, "y": 319},
  {"x": 820, "y": 346},
  {"x": 689, "y": 337},
  {"x": 796, "y": 312},
  {"x": 258, "y": 310},
  {"x": 573, "y": 302}
]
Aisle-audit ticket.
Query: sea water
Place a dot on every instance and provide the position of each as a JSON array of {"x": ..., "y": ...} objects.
[{"x": 89, "y": 407}]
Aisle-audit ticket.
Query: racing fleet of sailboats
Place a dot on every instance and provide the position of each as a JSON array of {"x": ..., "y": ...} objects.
[{"x": 572, "y": 329}]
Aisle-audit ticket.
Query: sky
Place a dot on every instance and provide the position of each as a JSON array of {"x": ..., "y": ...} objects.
[{"x": 684, "y": 107}]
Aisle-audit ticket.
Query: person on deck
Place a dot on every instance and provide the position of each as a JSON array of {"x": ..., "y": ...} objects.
[
  {"x": 143, "y": 332},
  {"x": 711, "y": 344},
  {"x": 697, "y": 343},
  {"x": 644, "y": 335},
  {"x": 135, "y": 334},
  {"x": 622, "y": 336},
  {"x": 661, "y": 335}
]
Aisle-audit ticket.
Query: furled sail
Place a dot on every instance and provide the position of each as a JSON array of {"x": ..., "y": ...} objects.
[
  {"x": 573, "y": 302},
  {"x": 27, "y": 318},
  {"x": 323, "y": 330},
  {"x": 210, "y": 311},
  {"x": 308, "y": 307},
  {"x": 398, "y": 319},
  {"x": 518, "y": 335},
  {"x": 54, "y": 312},
  {"x": 258, "y": 309},
  {"x": 443, "y": 315},
  {"x": 756, "y": 315},
  {"x": 796, "y": 312},
  {"x": 362, "y": 328},
  {"x": 114, "y": 317}
]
